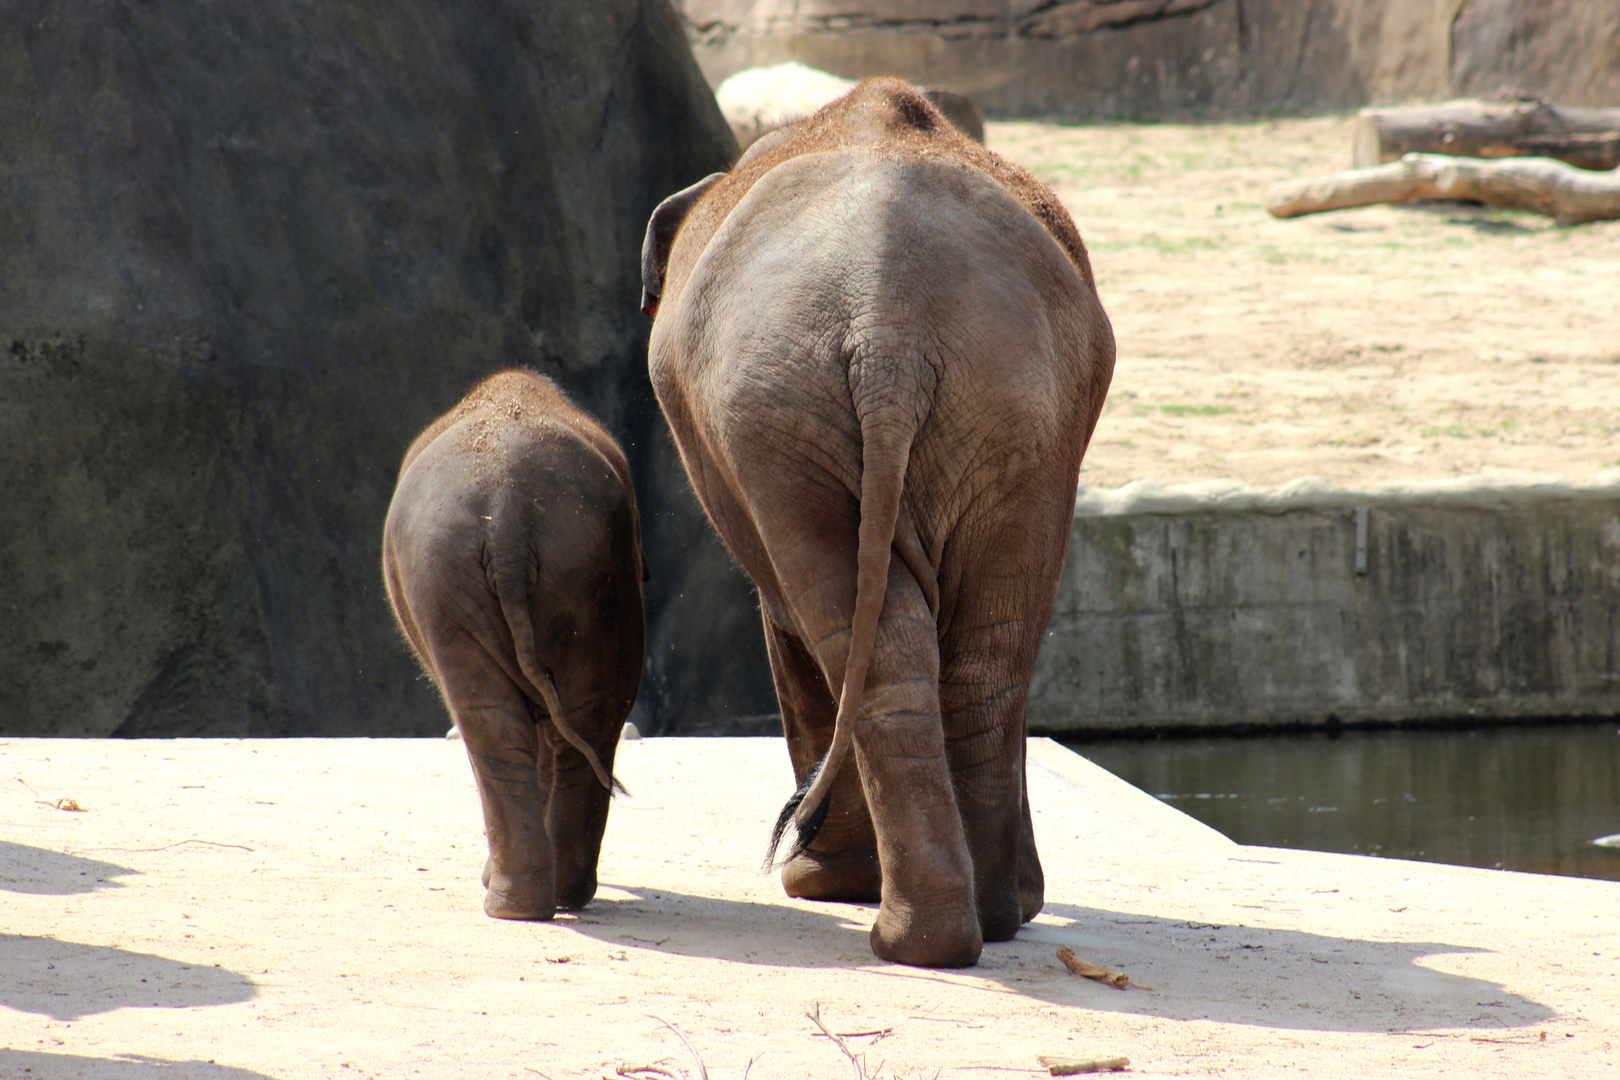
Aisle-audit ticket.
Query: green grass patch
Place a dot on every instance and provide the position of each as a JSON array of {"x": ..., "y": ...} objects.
[
  {"x": 1469, "y": 431},
  {"x": 1185, "y": 245},
  {"x": 1194, "y": 410}
]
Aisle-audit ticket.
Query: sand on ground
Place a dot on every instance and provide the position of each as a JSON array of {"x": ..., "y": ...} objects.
[
  {"x": 1363, "y": 346},
  {"x": 303, "y": 909}
]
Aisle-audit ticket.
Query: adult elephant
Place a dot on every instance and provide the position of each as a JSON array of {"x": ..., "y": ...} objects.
[{"x": 881, "y": 352}]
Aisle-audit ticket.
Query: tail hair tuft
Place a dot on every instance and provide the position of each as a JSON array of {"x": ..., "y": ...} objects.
[{"x": 807, "y": 831}]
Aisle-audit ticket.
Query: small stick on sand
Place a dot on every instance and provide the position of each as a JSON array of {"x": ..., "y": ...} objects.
[
  {"x": 63, "y": 803},
  {"x": 661, "y": 1071},
  {"x": 815, "y": 1018},
  {"x": 1064, "y": 1067},
  {"x": 1117, "y": 979},
  {"x": 668, "y": 1073}
]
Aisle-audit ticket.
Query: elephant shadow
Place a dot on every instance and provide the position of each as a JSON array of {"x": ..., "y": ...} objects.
[
  {"x": 123, "y": 1067},
  {"x": 43, "y": 872},
  {"x": 66, "y": 980},
  {"x": 1287, "y": 979}
]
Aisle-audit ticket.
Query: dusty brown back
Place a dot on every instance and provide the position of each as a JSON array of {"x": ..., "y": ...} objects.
[{"x": 889, "y": 113}]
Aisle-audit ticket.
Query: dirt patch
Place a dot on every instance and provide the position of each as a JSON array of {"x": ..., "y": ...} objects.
[{"x": 1381, "y": 344}]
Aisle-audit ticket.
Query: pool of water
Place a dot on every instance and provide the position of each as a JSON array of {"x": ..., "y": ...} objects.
[{"x": 1532, "y": 798}]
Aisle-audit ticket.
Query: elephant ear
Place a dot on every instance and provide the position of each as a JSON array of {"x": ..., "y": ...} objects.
[{"x": 661, "y": 230}]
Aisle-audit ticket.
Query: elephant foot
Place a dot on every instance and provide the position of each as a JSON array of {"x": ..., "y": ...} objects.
[
  {"x": 521, "y": 896},
  {"x": 575, "y": 895},
  {"x": 1001, "y": 923},
  {"x": 851, "y": 877},
  {"x": 1031, "y": 879},
  {"x": 1030, "y": 903},
  {"x": 938, "y": 942}
]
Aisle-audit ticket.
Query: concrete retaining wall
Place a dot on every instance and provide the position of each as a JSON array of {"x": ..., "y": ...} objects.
[{"x": 1222, "y": 605}]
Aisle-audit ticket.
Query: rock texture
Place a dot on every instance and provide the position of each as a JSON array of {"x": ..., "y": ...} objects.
[
  {"x": 1079, "y": 59},
  {"x": 247, "y": 252},
  {"x": 755, "y": 100}
]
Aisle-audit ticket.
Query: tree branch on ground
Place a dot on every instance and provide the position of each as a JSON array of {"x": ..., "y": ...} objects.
[{"x": 1568, "y": 195}]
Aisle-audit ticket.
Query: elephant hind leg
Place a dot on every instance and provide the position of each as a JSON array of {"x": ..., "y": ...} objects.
[
  {"x": 576, "y": 808},
  {"x": 507, "y": 762},
  {"x": 984, "y": 692},
  {"x": 928, "y": 914},
  {"x": 841, "y": 863},
  {"x": 517, "y": 876}
]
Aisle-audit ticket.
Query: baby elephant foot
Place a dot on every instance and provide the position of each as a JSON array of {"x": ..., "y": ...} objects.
[
  {"x": 519, "y": 896},
  {"x": 850, "y": 876},
  {"x": 940, "y": 941}
]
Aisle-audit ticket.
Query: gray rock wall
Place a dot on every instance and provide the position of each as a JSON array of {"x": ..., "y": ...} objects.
[
  {"x": 246, "y": 253},
  {"x": 1483, "y": 603},
  {"x": 1079, "y": 59}
]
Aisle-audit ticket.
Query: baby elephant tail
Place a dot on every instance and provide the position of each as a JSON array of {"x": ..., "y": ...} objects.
[{"x": 514, "y": 605}]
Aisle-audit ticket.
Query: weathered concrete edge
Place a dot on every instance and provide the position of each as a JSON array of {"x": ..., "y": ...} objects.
[
  {"x": 1314, "y": 493},
  {"x": 1110, "y": 796},
  {"x": 1216, "y": 605}
]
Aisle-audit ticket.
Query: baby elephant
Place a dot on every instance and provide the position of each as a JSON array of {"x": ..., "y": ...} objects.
[{"x": 513, "y": 561}]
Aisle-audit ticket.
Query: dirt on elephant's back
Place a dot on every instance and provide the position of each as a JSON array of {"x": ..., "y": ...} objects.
[{"x": 1382, "y": 344}]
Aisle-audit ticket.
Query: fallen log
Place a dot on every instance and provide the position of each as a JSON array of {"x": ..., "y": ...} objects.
[
  {"x": 1584, "y": 138},
  {"x": 1057, "y": 1066},
  {"x": 1568, "y": 195}
]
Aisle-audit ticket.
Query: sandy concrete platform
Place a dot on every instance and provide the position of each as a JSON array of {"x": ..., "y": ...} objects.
[{"x": 228, "y": 910}]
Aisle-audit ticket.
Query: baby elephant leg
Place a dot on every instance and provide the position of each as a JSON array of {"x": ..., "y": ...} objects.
[
  {"x": 503, "y": 748},
  {"x": 577, "y": 804}
]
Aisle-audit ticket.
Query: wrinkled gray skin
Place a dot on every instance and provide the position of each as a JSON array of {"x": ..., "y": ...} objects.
[
  {"x": 513, "y": 562},
  {"x": 882, "y": 356}
]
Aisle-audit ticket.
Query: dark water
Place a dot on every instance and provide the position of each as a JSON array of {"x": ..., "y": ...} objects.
[{"x": 1521, "y": 798}]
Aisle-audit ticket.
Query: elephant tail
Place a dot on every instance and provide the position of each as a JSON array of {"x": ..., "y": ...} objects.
[
  {"x": 514, "y": 605},
  {"x": 885, "y": 452}
]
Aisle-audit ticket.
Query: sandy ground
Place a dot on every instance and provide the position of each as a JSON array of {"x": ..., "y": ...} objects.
[
  {"x": 1381, "y": 344},
  {"x": 302, "y": 909}
]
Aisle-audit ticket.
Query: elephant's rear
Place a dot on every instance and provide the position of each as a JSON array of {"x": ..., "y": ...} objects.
[
  {"x": 512, "y": 559},
  {"x": 876, "y": 286},
  {"x": 517, "y": 496}
]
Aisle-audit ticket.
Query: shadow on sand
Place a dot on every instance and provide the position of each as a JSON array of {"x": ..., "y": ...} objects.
[
  {"x": 66, "y": 980},
  {"x": 42, "y": 872},
  {"x": 1230, "y": 974},
  {"x": 29, "y": 1064}
]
